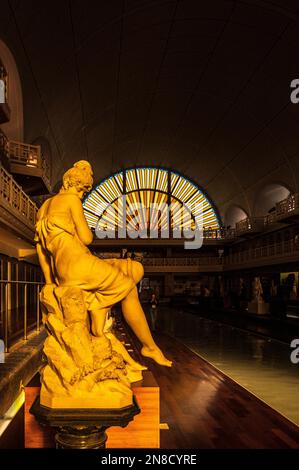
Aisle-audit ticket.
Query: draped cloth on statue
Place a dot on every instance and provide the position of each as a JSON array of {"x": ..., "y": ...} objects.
[{"x": 104, "y": 282}]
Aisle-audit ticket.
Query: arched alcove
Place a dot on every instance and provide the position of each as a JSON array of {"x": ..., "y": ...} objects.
[
  {"x": 147, "y": 187},
  {"x": 267, "y": 197},
  {"x": 14, "y": 129},
  {"x": 233, "y": 215}
]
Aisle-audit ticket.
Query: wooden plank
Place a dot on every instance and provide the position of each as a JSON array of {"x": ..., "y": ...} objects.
[
  {"x": 202, "y": 407},
  {"x": 206, "y": 409},
  {"x": 36, "y": 436},
  {"x": 142, "y": 432}
]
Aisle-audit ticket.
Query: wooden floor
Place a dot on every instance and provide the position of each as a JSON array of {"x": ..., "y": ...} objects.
[{"x": 205, "y": 409}]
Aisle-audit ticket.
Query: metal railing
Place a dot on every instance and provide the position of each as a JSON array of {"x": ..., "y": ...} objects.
[
  {"x": 30, "y": 300},
  {"x": 29, "y": 156},
  {"x": 250, "y": 224},
  {"x": 284, "y": 208},
  {"x": 273, "y": 251},
  {"x": 219, "y": 234},
  {"x": 287, "y": 206},
  {"x": 270, "y": 219},
  {"x": 208, "y": 234},
  {"x": 13, "y": 195},
  {"x": 168, "y": 262}
]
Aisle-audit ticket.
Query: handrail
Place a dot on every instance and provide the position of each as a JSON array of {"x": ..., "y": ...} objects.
[
  {"x": 7, "y": 312},
  {"x": 25, "y": 154},
  {"x": 219, "y": 234},
  {"x": 208, "y": 234},
  {"x": 267, "y": 251},
  {"x": 200, "y": 261},
  {"x": 16, "y": 198},
  {"x": 282, "y": 208},
  {"x": 287, "y": 247},
  {"x": 29, "y": 155},
  {"x": 249, "y": 223},
  {"x": 20, "y": 282}
]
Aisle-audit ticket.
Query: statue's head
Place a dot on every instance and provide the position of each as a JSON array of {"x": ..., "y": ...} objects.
[
  {"x": 84, "y": 165},
  {"x": 79, "y": 177},
  {"x": 73, "y": 306}
]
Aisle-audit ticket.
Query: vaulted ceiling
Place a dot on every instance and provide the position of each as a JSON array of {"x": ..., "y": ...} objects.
[{"x": 201, "y": 86}]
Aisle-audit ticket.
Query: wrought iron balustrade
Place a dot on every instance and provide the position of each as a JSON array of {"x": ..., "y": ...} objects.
[
  {"x": 284, "y": 209},
  {"x": 276, "y": 250},
  {"x": 17, "y": 320},
  {"x": 12, "y": 195},
  {"x": 26, "y": 156},
  {"x": 250, "y": 225},
  {"x": 186, "y": 261}
]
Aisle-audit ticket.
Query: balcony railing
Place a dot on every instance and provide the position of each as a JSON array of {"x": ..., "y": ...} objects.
[
  {"x": 287, "y": 205},
  {"x": 28, "y": 160},
  {"x": 249, "y": 225},
  {"x": 170, "y": 262},
  {"x": 219, "y": 234},
  {"x": 17, "y": 322},
  {"x": 268, "y": 252},
  {"x": 285, "y": 209},
  {"x": 14, "y": 197}
]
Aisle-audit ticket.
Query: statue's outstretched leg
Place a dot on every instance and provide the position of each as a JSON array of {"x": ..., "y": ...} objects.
[
  {"x": 98, "y": 319},
  {"x": 135, "y": 317},
  {"x": 119, "y": 347}
]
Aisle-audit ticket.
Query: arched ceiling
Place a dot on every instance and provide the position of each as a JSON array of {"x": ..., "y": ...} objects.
[{"x": 202, "y": 86}]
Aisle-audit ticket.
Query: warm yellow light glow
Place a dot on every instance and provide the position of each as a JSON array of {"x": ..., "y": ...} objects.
[{"x": 146, "y": 187}]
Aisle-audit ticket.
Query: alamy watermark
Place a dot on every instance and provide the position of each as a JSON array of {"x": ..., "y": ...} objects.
[
  {"x": 294, "y": 96},
  {"x": 2, "y": 92},
  {"x": 156, "y": 220},
  {"x": 295, "y": 353},
  {"x": 1, "y": 351}
]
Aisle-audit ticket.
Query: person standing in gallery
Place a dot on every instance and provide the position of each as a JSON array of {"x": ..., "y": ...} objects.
[{"x": 153, "y": 310}]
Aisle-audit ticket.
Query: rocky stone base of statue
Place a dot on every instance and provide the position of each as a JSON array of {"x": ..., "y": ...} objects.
[{"x": 81, "y": 370}]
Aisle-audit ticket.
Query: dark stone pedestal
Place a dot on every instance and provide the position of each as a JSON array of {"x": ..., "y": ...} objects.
[{"x": 83, "y": 428}]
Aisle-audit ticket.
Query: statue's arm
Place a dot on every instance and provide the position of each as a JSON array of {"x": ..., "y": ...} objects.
[
  {"x": 82, "y": 229},
  {"x": 42, "y": 210},
  {"x": 43, "y": 258},
  {"x": 45, "y": 264}
]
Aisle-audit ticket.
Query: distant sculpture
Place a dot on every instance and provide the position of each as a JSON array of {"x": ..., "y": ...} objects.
[
  {"x": 257, "y": 290},
  {"x": 87, "y": 366},
  {"x": 257, "y": 304}
]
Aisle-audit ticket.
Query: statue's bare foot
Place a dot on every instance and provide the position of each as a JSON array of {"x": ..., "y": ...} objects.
[
  {"x": 136, "y": 366},
  {"x": 157, "y": 355}
]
